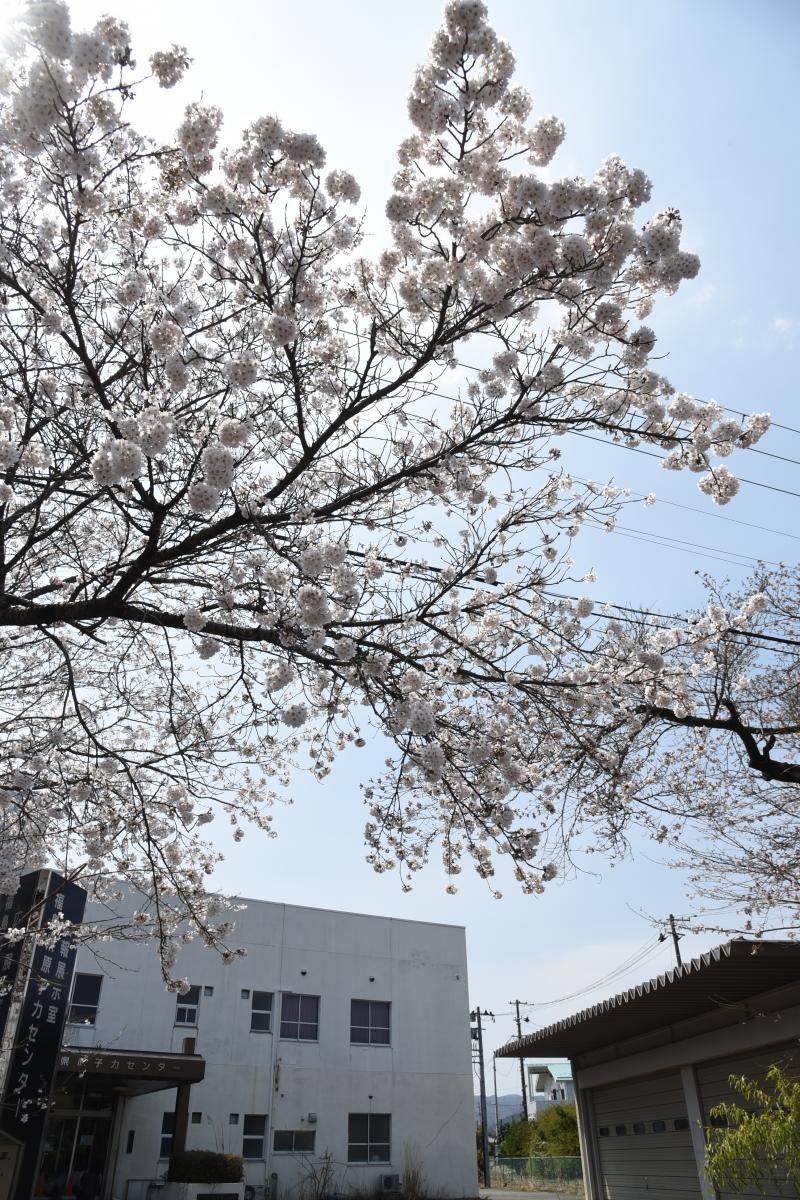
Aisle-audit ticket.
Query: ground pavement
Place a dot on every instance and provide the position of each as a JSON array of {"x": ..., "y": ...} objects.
[{"x": 507, "y": 1194}]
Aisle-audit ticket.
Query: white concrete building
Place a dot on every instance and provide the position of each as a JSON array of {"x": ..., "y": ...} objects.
[
  {"x": 337, "y": 1034},
  {"x": 549, "y": 1083}
]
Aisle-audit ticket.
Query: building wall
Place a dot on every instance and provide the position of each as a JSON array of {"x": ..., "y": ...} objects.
[{"x": 423, "y": 1079}]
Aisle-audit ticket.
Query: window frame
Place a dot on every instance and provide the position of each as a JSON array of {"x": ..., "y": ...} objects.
[
  {"x": 293, "y": 1134},
  {"x": 90, "y": 1017},
  {"x": 167, "y": 1135},
  {"x": 299, "y": 1022},
  {"x": 372, "y": 1139},
  {"x": 371, "y": 1028},
  {"x": 261, "y": 1137},
  {"x": 184, "y": 1003},
  {"x": 259, "y": 1011}
]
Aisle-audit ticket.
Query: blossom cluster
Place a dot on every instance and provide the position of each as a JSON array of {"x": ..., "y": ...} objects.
[{"x": 253, "y": 500}]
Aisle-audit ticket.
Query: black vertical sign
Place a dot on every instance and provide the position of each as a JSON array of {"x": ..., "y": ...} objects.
[
  {"x": 40, "y": 1029},
  {"x": 15, "y": 913}
]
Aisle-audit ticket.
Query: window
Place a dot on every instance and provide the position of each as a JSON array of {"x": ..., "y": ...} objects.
[
  {"x": 254, "y": 1132},
  {"x": 620, "y": 1130},
  {"x": 167, "y": 1134},
  {"x": 368, "y": 1137},
  {"x": 245, "y": 993},
  {"x": 680, "y": 1123},
  {"x": 129, "y": 1143},
  {"x": 659, "y": 1126},
  {"x": 261, "y": 1012},
  {"x": 208, "y": 990},
  {"x": 233, "y": 1119},
  {"x": 187, "y": 1006},
  {"x": 300, "y": 1017},
  {"x": 369, "y": 1022},
  {"x": 85, "y": 999},
  {"x": 604, "y": 1131},
  {"x": 293, "y": 1141},
  {"x": 638, "y": 1127},
  {"x": 197, "y": 1118}
]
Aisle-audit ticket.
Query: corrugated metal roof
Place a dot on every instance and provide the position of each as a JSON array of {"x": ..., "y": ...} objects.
[{"x": 725, "y": 975}]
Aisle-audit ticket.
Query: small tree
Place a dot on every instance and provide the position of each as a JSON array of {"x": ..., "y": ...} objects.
[
  {"x": 556, "y": 1131},
  {"x": 760, "y": 1143},
  {"x": 518, "y": 1139}
]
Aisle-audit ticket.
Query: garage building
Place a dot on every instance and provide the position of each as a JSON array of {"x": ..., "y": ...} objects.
[{"x": 650, "y": 1063}]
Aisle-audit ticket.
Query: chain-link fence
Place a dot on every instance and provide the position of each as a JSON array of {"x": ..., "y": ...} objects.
[{"x": 537, "y": 1171}]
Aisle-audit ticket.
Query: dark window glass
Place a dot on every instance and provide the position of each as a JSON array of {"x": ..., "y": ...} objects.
[
  {"x": 167, "y": 1134},
  {"x": 300, "y": 1017},
  {"x": 620, "y": 1130},
  {"x": 254, "y": 1130},
  {"x": 208, "y": 990},
  {"x": 233, "y": 1119},
  {"x": 245, "y": 993},
  {"x": 370, "y": 1022},
  {"x": 293, "y": 1141},
  {"x": 659, "y": 1126},
  {"x": 197, "y": 1118},
  {"x": 359, "y": 1012},
  {"x": 680, "y": 1123},
  {"x": 369, "y": 1137},
  {"x": 604, "y": 1131},
  {"x": 129, "y": 1143},
  {"x": 638, "y": 1126},
  {"x": 261, "y": 1012},
  {"x": 187, "y": 1006},
  {"x": 85, "y": 999}
]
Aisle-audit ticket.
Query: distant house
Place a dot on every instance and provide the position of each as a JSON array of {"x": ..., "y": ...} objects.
[
  {"x": 650, "y": 1063},
  {"x": 548, "y": 1083}
]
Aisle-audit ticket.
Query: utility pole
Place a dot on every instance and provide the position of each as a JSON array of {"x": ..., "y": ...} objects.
[
  {"x": 676, "y": 937},
  {"x": 516, "y": 1004},
  {"x": 496, "y": 1109},
  {"x": 487, "y": 1171}
]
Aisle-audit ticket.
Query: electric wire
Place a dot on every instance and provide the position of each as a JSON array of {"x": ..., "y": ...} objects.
[
  {"x": 770, "y": 487},
  {"x": 664, "y": 540},
  {"x": 736, "y": 412}
]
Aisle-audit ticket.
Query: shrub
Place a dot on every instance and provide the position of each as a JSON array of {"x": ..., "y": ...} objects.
[{"x": 204, "y": 1166}]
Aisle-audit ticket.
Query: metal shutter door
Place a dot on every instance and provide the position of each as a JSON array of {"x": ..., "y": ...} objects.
[
  {"x": 657, "y": 1160},
  {"x": 712, "y": 1084}
]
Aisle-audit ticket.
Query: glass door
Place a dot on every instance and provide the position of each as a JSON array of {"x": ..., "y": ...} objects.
[{"x": 74, "y": 1155}]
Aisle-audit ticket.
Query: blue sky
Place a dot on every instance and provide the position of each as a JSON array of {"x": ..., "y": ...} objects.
[{"x": 704, "y": 97}]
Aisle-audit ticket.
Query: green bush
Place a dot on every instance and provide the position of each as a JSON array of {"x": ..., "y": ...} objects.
[
  {"x": 204, "y": 1166},
  {"x": 554, "y": 1132}
]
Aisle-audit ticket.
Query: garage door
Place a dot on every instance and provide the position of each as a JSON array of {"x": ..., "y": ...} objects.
[
  {"x": 644, "y": 1141},
  {"x": 712, "y": 1083}
]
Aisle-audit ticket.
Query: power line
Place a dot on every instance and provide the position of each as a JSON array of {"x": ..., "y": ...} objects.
[
  {"x": 726, "y": 408},
  {"x": 704, "y": 512},
  {"x": 685, "y": 546},
  {"x": 736, "y": 411},
  {"x": 650, "y": 948},
  {"x": 770, "y": 487}
]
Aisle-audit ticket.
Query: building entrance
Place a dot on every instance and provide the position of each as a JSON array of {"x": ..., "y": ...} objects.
[{"x": 77, "y": 1136}]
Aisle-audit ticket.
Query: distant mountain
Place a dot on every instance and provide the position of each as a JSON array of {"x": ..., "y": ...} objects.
[{"x": 508, "y": 1108}]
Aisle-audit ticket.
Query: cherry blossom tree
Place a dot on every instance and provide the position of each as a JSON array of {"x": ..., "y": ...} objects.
[{"x": 254, "y": 511}]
